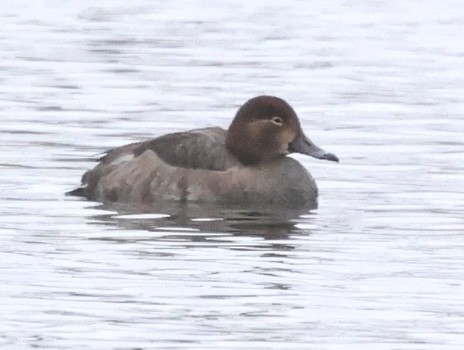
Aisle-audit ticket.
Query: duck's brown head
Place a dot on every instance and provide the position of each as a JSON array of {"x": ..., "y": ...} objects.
[{"x": 266, "y": 128}]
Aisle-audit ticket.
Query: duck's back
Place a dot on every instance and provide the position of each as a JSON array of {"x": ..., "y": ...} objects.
[{"x": 195, "y": 149}]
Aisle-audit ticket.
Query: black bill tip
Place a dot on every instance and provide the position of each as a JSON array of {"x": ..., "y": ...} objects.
[{"x": 331, "y": 157}]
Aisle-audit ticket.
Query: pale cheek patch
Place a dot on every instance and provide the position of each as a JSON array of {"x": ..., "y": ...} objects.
[{"x": 286, "y": 137}]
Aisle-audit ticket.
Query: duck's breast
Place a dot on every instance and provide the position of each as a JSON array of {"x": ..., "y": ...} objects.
[{"x": 284, "y": 182}]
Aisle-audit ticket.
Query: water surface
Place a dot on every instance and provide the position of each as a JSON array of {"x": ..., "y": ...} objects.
[{"x": 378, "y": 266}]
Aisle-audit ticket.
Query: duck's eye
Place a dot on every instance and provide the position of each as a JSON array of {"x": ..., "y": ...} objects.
[{"x": 277, "y": 120}]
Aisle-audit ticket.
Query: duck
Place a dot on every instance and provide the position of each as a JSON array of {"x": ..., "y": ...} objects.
[{"x": 247, "y": 164}]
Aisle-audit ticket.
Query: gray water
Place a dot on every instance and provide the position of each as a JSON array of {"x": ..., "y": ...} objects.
[{"x": 380, "y": 264}]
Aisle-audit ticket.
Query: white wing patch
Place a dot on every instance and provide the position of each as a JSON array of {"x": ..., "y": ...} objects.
[{"x": 122, "y": 159}]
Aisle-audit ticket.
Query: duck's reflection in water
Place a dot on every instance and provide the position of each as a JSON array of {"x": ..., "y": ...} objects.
[{"x": 197, "y": 222}]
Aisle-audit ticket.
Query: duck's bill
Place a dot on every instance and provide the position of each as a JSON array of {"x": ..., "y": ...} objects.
[{"x": 305, "y": 146}]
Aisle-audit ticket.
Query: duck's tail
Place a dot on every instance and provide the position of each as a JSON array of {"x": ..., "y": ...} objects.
[{"x": 80, "y": 191}]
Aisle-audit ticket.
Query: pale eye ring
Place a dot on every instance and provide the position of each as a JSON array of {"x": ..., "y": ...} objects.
[{"x": 277, "y": 120}]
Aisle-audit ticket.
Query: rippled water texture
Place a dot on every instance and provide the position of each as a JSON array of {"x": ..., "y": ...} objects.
[{"x": 378, "y": 266}]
